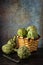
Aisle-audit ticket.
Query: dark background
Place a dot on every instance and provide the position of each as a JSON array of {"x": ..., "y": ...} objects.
[{"x": 16, "y": 14}]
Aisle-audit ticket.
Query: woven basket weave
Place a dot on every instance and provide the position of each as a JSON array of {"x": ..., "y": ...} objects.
[{"x": 31, "y": 44}]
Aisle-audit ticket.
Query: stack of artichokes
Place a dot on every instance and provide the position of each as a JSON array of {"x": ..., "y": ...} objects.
[
  {"x": 22, "y": 52},
  {"x": 30, "y": 32},
  {"x": 8, "y": 47}
]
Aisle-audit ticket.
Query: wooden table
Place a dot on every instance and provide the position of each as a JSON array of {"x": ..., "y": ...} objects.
[{"x": 35, "y": 59}]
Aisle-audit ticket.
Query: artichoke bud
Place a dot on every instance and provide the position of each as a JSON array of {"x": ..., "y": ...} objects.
[
  {"x": 23, "y": 52},
  {"x": 22, "y": 32},
  {"x": 14, "y": 38},
  {"x": 11, "y": 42},
  {"x": 7, "y": 48},
  {"x": 32, "y": 28}
]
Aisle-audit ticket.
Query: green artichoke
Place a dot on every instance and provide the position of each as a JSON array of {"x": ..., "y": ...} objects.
[
  {"x": 11, "y": 42},
  {"x": 32, "y": 28},
  {"x": 7, "y": 48},
  {"x": 32, "y": 32},
  {"x": 23, "y": 52},
  {"x": 32, "y": 35},
  {"x": 14, "y": 38},
  {"x": 22, "y": 32}
]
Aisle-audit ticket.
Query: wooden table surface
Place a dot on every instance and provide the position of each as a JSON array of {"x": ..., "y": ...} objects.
[{"x": 35, "y": 59}]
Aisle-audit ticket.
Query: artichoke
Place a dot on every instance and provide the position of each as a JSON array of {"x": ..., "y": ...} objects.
[
  {"x": 7, "y": 48},
  {"x": 22, "y": 32},
  {"x": 11, "y": 42},
  {"x": 32, "y": 28},
  {"x": 14, "y": 38},
  {"x": 32, "y": 32},
  {"x": 23, "y": 52},
  {"x": 32, "y": 35}
]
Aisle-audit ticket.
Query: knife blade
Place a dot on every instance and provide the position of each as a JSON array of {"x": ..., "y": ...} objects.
[{"x": 17, "y": 61}]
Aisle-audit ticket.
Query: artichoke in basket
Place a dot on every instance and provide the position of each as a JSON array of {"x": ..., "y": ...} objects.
[
  {"x": 22, "y": 32},
  {"x": 32, "y": 35},
  {"x": 32, "y": 32},
  {"x": 23, "y": 52},
  {"x": 32, "y": 28}
]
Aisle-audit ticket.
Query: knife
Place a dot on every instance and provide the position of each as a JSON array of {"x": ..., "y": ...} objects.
[{"x": 17, "y": 61}]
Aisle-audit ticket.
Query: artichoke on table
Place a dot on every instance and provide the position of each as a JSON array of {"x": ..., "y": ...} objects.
[
  {"x": 23, "y": 52},
  {"x": 7, "y": 48},
  {"x": 11, "y": 42}
]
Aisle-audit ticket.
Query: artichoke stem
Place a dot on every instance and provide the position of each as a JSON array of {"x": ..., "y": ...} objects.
[{"x": 15, "y": 50}]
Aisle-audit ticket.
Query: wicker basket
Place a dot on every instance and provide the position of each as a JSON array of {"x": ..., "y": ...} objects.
[{"x": 31, "y": 44}]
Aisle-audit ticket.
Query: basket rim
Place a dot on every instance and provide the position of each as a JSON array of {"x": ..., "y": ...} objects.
[{"x": 27, "y": 38}]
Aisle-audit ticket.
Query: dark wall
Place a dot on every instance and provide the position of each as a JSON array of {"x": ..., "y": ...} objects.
[{"x": 15, "y": 14}]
